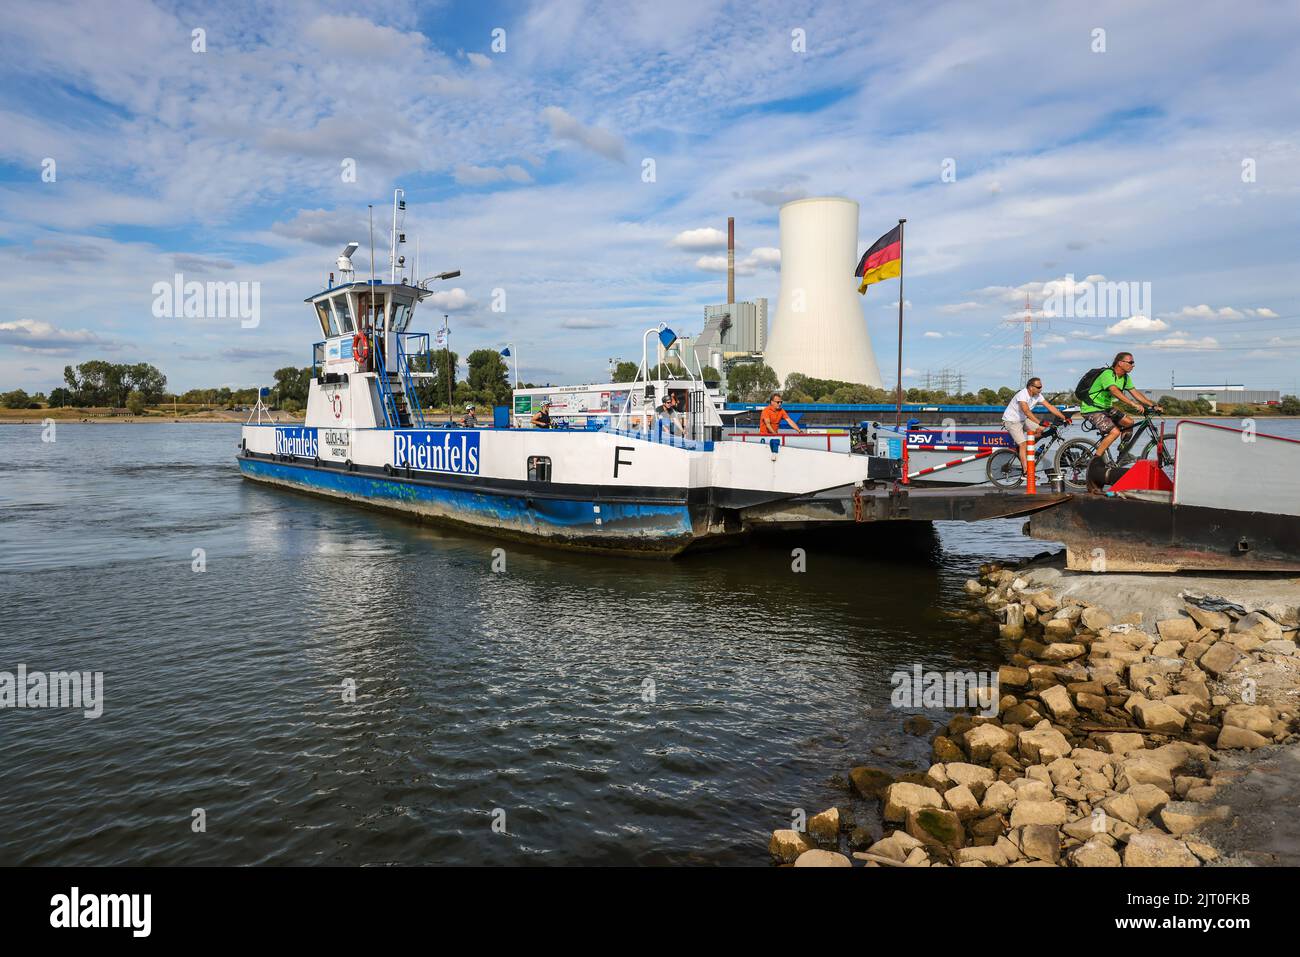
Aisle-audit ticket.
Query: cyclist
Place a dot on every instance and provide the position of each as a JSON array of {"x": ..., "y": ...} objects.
[
  {"x": 1100, "y": 408},
  {"x": 1018, "y": 417}
]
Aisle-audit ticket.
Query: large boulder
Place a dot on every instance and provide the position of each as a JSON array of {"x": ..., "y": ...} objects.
[
  {"x": 1177, "y": 629},
  {"x": 1220, "y": 658},
  {"x": 1252, "y": 717},
  {"x": 1215, "y": 620},
  {"x": 984, "y": 741},
  {"x": 1157, "y": 849},
  {"x": 1038, "y": 842},
  {"x": 816, "y": 858},
  {"x": 1149, "y": 798},
  {"x": 999, "y": 797},
  {"x": 786, "y": 846},
  {"x": 1234, "y": 737},
  {"x": 824, "y": 828},
  {"x": 1057, "y": 700},
  {"x": 1258, "y": 626},
  {"x": 1158, "y": 716},
  {"x": 1095, "y": 619},
  {"x": 990, "y": 855},
  {"x": 961, "y": 801},
  {"x": 1121, "y": 742},
  {"x": 972, "y": 775},
  {"x": 936, "y": 826},
  {"x": 1038, "y": 812},
  {"x": 900, "y": 798},
  {"x": 1043, "y": 744},
  {"x": 1095, "y": 853},
  {"x": 1124, "y": 807},
  {"x": 870, "y": 782},
  {"x": 1183, "y": 817}
]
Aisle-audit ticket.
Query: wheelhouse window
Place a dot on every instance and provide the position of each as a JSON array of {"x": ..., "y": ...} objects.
[
  {"x": 343, "y": 315},
  {"x": 401, "y": 316},
  {"x": 326, "y": 320},
  {"x": 539, "y": 468}
]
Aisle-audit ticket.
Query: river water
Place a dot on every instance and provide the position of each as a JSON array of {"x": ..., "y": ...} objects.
[{"x": 569, "y": 709}]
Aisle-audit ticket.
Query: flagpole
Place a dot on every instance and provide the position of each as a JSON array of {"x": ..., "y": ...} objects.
[{"x": 898, "y": 412}]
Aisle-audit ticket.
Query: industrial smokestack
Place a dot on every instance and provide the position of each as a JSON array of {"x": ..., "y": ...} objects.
[{"x": 731, "y": 260}]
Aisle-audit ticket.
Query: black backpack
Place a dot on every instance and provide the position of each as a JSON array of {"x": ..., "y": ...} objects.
[{"x": 1083, "y": 391}]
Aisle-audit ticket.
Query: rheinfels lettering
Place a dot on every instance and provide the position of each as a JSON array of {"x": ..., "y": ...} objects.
[
  {"x": 296, "y": 441},
  {"x": 440, "y": 451}
]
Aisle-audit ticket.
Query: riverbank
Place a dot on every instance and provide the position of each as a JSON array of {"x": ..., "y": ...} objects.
[{"x": 1139, "y": 721}]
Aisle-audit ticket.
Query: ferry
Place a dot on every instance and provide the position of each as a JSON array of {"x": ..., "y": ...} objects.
[{"x": 608, "y": 475}]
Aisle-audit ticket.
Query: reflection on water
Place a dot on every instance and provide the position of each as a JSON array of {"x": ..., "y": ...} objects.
[{"x": 617, "y": 711}]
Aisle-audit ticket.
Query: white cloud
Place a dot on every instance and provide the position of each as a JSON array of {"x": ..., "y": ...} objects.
[
  {"x": 584, "y": 322},
  {"x": 482, "y": 175},
  {"x": 480, "y": 60},
  {"x": 956, "y": 308},
  {"x": 934, "y": 335},
  {"x": 768, "y": 256},
  {"x": 566, "y": 127},
  {"x": 32, "y": 335},
  {"x": 700, "y": 239},
  {"x": 450, "y": 300},
  {"x": 1136, "y": 324},
  {"x": 1263, "y": 313},
  {"x": 1180, "y": 341}
]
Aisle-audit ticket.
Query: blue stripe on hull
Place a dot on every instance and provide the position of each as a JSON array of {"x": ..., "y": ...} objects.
[{"x": 622, "y": 525}]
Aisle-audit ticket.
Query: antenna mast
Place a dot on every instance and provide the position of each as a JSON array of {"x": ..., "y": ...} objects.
[{"x": 397, "y": 238}]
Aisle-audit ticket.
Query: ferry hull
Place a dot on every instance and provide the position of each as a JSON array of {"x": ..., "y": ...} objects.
[{"x": 640, "y": 528}]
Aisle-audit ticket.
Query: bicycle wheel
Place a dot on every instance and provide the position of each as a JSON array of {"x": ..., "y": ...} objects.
[
  {"x": 1167, "y": 459},
  {"x": 1004, "y": 469},
  {"x": 1072, "y": 460}
]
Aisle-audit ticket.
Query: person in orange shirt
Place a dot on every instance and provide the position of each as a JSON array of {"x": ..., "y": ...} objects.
[{"x": 769, "y": 422}]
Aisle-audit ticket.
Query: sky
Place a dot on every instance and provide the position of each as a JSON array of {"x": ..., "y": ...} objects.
[{"x": 577, "y": 161}]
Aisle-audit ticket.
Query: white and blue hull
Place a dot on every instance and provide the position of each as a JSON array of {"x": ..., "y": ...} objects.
[{"x": 611, "y": 491}]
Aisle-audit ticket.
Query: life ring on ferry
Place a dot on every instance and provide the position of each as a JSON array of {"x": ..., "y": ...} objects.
[{"x": 361, "y": 347}]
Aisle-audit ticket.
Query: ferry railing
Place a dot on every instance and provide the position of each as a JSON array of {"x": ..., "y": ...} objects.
[
  {"x": 386, "y": 400},
  {"x": 404, "y": 366}
]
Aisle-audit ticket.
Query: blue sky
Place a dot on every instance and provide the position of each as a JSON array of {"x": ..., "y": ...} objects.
[{"x": 523, "y": 168}]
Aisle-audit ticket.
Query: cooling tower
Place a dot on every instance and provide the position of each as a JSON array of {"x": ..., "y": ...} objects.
[{"x": 818, "y": 328}]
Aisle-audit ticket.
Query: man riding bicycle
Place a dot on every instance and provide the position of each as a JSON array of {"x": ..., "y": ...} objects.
[
  {"x": 1100, "y": 409},
  {"x": 1018, "y": 417}
]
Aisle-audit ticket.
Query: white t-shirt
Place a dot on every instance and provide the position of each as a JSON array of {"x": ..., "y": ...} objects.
[{"x": 1013, "y": 410}]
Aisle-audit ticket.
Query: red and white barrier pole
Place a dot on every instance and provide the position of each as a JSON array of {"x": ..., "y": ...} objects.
[
  {"x": 948, "y": 465},
  {"x": 1030, "y": 467},
  {"x": 905, "y": 475}
]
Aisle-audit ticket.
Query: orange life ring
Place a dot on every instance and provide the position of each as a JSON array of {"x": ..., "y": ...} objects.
[{"x": 361, "y": 347}]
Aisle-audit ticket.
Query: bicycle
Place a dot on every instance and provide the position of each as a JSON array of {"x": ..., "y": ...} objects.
[
  {"x": 1004, "y": 469},
  {"x": 1073, "y": 457}
]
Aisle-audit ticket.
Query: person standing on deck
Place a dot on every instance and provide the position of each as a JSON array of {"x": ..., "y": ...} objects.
[
  {"x": 769, "y": 422},
  {"x": 1018, "y": 417}
]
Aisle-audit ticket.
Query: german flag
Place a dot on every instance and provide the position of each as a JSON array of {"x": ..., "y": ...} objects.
[{"x": 884, "y": 260}]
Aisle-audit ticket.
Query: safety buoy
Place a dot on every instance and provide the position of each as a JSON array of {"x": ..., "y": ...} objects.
[{"x": 360, "y": 347}]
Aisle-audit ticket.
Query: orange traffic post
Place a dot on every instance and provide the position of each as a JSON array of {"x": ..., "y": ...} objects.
[{"x": 1030, "y": 467}]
